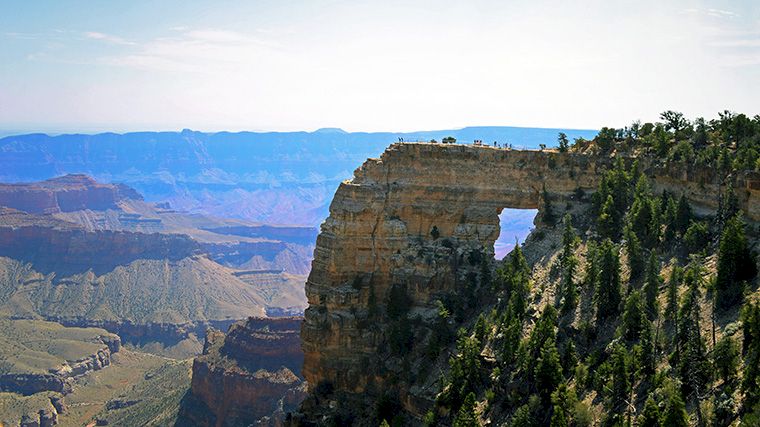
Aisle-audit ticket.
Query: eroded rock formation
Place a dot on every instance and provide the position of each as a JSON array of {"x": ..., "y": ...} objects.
[
  {"x": 65, "y": 194},
  {"x": 250, "y": 375},
  {"x": 414, "y": 216},
  {"x": 60, "y": 378}
]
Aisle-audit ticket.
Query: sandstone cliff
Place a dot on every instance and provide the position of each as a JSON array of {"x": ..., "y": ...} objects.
[
  {"x": 248, "y": 376},
  {"x": 416, "y": 218}
]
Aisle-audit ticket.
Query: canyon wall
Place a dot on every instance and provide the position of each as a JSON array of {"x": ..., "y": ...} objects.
[
  {"x": 65, "y": 194},
  {"x": 414, "y": 217},
  {"x": 72, "y": 251},
  {"x": 249, "y": 376}
]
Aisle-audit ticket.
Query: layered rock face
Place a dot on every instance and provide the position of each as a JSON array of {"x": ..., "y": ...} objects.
[
  {"x": 71, "y": 251},
  {"x": 59, "y": 379},
  {"x": 248, "y": 377},
  {"x": 414, "y": 216},
  {"x": 65, "y": 194},
  {"x": 398, "y": 222}
]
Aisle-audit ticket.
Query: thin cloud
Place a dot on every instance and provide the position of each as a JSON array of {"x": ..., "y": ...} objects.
[
  {"x": 711, "y": 12},
  {"x": 198, "y": 51},
  {"x": 738, "y": 43},
  {"x": 227, "y": 37},
  {"x": 108, "y": 38},
  {"x": 23, "y": 36}
]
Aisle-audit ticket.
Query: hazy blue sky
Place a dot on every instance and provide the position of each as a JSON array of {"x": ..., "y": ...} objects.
[{"x": 383, "y": 65}]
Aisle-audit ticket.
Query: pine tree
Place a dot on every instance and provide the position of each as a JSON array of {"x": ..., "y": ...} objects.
[
  {"x": 751, "y": 350},
  {"x": 569, "y": 239},
  {"x": 609, "y": 220},
  {"x": 650, "y": 417},
  {"x": 548, "y": 371},
  {"x": 608, "y": 284},
  {"x": 559, "y": 418},
  {"x": 652, "y": 286},
  {"x": 634, "y": 317},
  {"x": 568, "y": 287},
  {"x": 675, "y": 411},
  {"x": 514, "y": 279},
  {"x": 647, "y": 351},
  {"x": 750, "y": 317},
  {"x": 728, "y": 206},
  {"x": 464, "y": 369},
  {"x": 543, "y": 332},
  {"x": 672, "y": 304},
  {"x": 726, "y": 358},
  {"x": 592, "y": 266},
  {"x": 568, "y": 292},
  {"x": 735, "y": 264},
  {"x": 526, "y": 415},
  {"x": 564, "y": 401},
  {"x": 683, "y": 215},
  {"x": 669, "y": 210},
  {"x": 620, "y": 380},
  {"x": 696, "y": 237},
  {"x": 512, "y": 330},
  {"x": 569, "y": 357},
  {"x": 635, "y": 254},
  {"x": 467, "y": 417},
  {"x": 691, "y": 362},
  {"x": 643, "y": 213},
  {"x": 563, "y": 142}
]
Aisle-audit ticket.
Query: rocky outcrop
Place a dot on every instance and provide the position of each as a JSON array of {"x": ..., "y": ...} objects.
[
  {"x": 43, "y": 418},
  {"x": 249, "y": 376},
  {"x": 65, "y": 194},
  {"x": 28, "y": 384},
  {"x": 416, "y": 217},
  {"x": 60, "y": 378}
]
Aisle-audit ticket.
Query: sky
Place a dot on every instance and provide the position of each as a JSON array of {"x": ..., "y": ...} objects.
[{"x": 372, "y": 65}]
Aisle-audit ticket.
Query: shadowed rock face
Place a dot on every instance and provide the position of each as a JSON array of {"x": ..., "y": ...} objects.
[
  {"x": 248, "y": 376},
  {"x": 73, "y": 251},
  {"x": 380, "y": 233}
]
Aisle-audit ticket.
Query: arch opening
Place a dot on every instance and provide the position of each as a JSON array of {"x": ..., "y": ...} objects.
[{"x": 514, "y": 226}]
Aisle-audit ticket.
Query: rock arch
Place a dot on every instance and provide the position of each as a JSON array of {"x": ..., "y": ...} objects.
[{"x": 379, "y": 234}]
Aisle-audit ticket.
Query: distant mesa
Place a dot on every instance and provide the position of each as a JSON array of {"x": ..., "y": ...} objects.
[
  {"x": 65, "y": 194},
  {"x": 330, "y": 130}
]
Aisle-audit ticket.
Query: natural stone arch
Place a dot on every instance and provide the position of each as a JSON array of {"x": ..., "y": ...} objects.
[{"x": 378, "y": 234}]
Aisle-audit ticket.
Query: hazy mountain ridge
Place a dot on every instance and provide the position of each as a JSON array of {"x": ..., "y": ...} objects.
[
  {"x": 273, "y": 177},
  {"x": 99, "y": 255}
]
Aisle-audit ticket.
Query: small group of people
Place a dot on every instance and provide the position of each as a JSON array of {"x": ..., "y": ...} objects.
[
  {"x": 495, "y": 144},
  {"x": 475, "y": 142}
]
